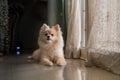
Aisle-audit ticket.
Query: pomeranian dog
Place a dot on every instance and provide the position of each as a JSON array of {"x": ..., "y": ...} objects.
[{"x": 51, "y": 45}]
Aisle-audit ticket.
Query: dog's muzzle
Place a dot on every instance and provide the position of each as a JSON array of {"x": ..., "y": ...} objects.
[{"x": 48, "y": 38}]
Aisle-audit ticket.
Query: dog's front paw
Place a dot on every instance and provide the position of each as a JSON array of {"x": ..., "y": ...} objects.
[
  {"x": 61, "y": 62},
  {"x": 47, "y": 62}
]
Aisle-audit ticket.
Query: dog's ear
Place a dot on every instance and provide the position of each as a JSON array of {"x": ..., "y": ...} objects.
[
  {"x": 44, "y": 27},
  {"x": 57, "y": 27}
]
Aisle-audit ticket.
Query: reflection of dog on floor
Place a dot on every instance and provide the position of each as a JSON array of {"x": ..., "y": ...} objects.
[
  {"x": 75, "y": 70},
  {"x": 52, "y": 73},
  {"x": 51, "y": 44}
]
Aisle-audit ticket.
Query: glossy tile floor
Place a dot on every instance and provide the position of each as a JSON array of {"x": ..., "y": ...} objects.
[{"x": 19, "y": 68}]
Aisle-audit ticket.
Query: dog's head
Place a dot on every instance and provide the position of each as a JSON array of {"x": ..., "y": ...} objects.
[{"x": 50, "y": 35}]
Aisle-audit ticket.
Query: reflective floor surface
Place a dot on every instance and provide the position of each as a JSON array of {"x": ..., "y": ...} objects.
[{"x": 20, "y": 68}]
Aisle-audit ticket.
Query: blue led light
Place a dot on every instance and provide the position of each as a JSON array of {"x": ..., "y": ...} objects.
[
  {"x": 18, "y": 50},
  {"x": 17, "y": 47}
]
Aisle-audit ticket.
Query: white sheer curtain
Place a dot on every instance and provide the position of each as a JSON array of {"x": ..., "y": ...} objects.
[
  {"x": 104, "y": 38},
  {"x": 73, "y": 45}
]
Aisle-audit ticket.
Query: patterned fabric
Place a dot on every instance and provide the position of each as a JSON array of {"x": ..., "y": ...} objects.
[
  {"x": 4, "y": 26},
  {"x": 104, "y": 38}
]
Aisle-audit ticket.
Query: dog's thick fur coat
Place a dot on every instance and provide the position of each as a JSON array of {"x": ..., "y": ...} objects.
[{"x": 51, "y": 45}]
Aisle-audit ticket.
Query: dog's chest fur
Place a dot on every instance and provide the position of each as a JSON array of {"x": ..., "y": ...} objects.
[{"x": 51, "y": 51}]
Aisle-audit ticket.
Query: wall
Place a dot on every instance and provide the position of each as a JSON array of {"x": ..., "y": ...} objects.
[{"x": 34, "y": 15}]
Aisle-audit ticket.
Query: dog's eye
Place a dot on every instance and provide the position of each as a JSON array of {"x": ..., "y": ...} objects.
[
  {"x": 46, "y": 34},
  {"x": 52, "y": 34}
]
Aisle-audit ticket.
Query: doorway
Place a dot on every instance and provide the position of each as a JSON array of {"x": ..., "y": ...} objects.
[{"x": 25, "y": 20}]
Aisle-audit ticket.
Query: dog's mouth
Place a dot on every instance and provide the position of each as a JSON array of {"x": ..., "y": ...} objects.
[{"x": 48, "y": 39}]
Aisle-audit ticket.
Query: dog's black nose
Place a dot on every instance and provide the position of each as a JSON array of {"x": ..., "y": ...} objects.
[{"x": 48, "y": 36}]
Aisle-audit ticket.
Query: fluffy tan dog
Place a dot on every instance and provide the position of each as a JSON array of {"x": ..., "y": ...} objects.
[{"x": 51, "y": 45}]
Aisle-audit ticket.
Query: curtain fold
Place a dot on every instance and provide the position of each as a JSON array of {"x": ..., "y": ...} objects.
[
  {"x": 104, "y": 39},
  {"x": 73, "y": 42}
]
